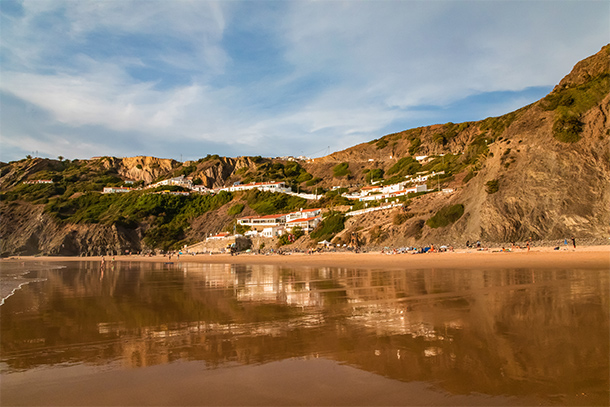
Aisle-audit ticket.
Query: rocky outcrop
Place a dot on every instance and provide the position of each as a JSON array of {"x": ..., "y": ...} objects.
[
  {"x": 143, "y": 168},
  {"x": 28, "y": 230}
]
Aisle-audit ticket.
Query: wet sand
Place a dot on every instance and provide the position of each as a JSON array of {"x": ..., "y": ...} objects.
[{"x": 597, "y": 257}]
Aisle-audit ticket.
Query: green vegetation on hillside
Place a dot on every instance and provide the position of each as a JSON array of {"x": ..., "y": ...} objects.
[
  {"x": 405, "y": 166},
  {"x": 375, "y": 174},
  {"x": 414, "y": 147},
  {"x": 167, "y": 215},
  {"x": 450, "y": 130},
  {"x": 571, "y": 103},
  {"x": 330, "y": 226},
  {"x": 341, "y": 170},
  {"x": 267, "y": 203},
  {"x": 493, "y": 186},
  {"x": 235, "y": 209},
  {"x": 493, "y": 127},
  {"x": 292, "y": 173},
  {"x": 382, "y": 143},
  {"x": 69, "y": 177},
  {"x": 446, "y": 216}
]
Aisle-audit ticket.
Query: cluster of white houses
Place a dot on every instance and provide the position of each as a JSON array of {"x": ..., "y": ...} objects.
[
  {"x": 38, "y": 181},
  {"x": 369, "y": 193},
  {"x": 182, "y": 181},
  {"x": 277, "y": 225}
]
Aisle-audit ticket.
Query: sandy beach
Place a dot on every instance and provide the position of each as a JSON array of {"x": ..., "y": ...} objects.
[{"x": 597, "y": 257}]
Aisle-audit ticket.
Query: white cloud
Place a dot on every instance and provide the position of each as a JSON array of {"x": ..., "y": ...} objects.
[
  {"x": 438, "y": 52},
  {"x": 351, "y": 68}
]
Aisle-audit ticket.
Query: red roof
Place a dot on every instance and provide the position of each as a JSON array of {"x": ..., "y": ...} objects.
[
  {"x": 304, "y": 219},
  {"x": 271, "y": 216},
  {"x": 311, "y": 210},
  {"x": 263, "y": 217}
]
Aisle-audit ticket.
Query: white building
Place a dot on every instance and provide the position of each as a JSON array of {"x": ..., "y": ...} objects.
[
  {"x": 307, "y": 224},
  {"x": 261, "y": 222},
  {"x": 273, "y": 231},
  {"x": 307, "y": 219},
  {"x": 218, "y": 236},
  {"x": 116, "y": 190},
  {"x": 271, "y": 186},
  {"x": 39, "y": 181},
  {"x": 303, "y": 213},
  {"x": 202, "y": 189},
  {"x": 390, "y": 195},
  {"x": 180, "y": 181},
  {"x": 370, "y": 190}
]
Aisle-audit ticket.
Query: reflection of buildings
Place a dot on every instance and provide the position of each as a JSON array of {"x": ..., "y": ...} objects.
[{"x": 471, "y": 330}]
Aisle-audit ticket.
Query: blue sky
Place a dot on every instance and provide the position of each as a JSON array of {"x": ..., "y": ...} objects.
[{"x": 183, "y": 79}]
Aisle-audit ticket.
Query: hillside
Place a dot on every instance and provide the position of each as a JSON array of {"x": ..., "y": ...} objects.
[{"x": 541, "y": 172}]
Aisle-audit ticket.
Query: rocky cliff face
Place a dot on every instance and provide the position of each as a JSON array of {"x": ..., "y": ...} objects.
[
  {"x": 547, "y": 189},
  {"x": 142, "y": 168},
  {"x": 28, "y": 230}
]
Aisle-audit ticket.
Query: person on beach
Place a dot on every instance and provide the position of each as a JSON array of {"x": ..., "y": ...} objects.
[{"x": 574, "y": 242}]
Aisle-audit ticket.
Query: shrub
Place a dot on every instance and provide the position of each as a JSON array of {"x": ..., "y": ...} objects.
[
  {"x": 373, "y": 174},
  {"x": 313, "y": 181},
  {"x": 405, "y": 166},
  {"x": 567, "y": 128},
  {"x": 304, "y": 176},
  {"x": 446, "y": 216},
  {"x": 382, "y": 143},
  {"x": 414, "y": 147},
  {"x": 165, "y": 237},
  {"x": 330, "y": 226},
  {"x": 399, "y": 218},
  {"x": 492, "y": 186},
  {"x": 267, "y": 203},
  {"x": 236, "y": 209},
  {"x": 341, "y": 170}
]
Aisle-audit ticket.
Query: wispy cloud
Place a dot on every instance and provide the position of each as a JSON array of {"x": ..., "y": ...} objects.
[{"x": 271, "y": 78}]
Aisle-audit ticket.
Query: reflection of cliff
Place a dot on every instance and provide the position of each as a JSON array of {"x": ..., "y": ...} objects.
[{"x": 493, "y": 332}]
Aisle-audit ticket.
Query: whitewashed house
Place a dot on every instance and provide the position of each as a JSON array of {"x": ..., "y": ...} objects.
[
  {"x": 396, "y": 194},
  {"x": 261, "y": 222},
  {"x": 271, "y": 186},
  {"x": 306, "y": 219},
  {"x": 116, "y": 190},
  {"x": 180, "y": 181}
]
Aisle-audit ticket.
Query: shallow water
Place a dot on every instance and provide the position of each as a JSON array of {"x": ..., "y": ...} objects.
[{"x": 196, "y": 334}]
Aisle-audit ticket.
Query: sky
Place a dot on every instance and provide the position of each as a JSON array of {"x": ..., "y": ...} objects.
[{"x": 184, "y": 79}]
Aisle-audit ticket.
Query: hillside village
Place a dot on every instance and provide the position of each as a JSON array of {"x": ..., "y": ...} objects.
[
  {"x": 303, "y": 221},
  {"x": 540, "y": 173}
]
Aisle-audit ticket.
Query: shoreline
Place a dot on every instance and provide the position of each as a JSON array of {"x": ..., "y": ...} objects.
[{"x": 586, "y": 257}]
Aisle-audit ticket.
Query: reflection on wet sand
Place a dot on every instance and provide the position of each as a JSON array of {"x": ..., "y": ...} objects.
[{"x": 519, "y": 333}]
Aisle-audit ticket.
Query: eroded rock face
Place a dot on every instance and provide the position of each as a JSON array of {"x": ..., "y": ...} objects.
[
  {"x": 145, "y": 169},
  {"x": 27, "y": 230}
]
